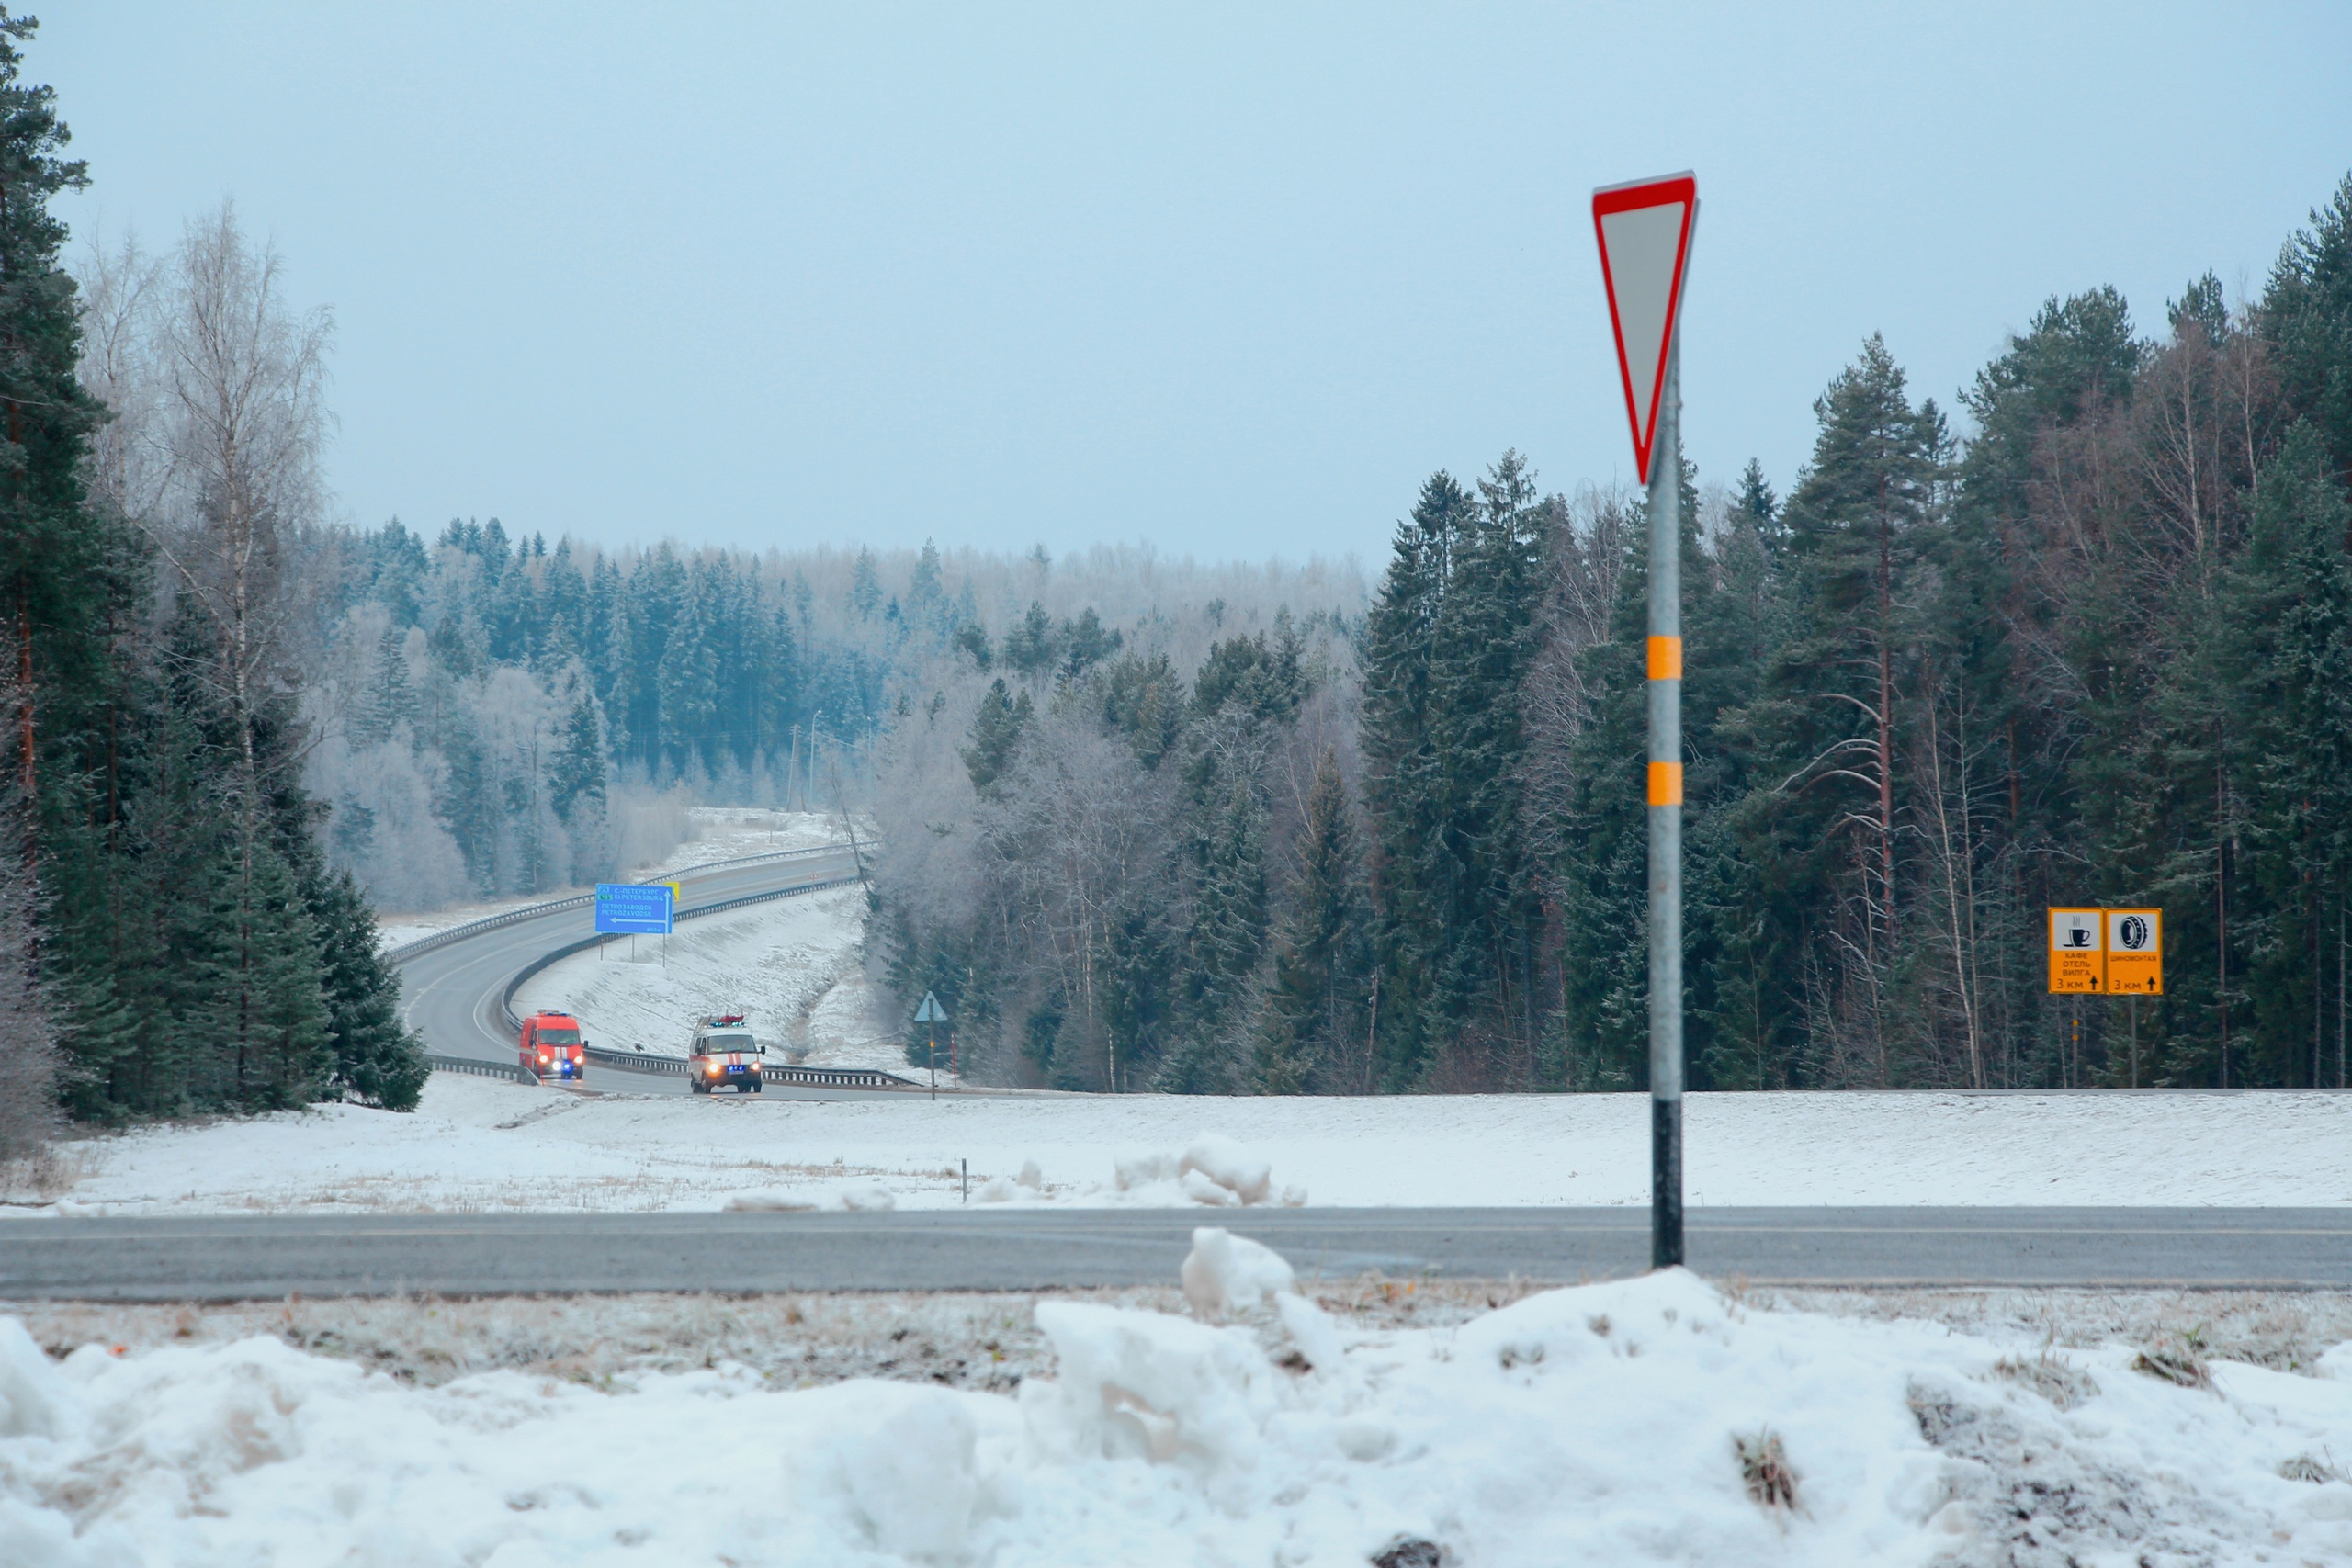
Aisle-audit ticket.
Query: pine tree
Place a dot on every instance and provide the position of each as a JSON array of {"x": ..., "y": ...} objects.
[
  {"x": 1446, "y": 647},
  {"x": 1226, "y": 936},
  {"x": 1402, "y": 787},
  {"x": 2307, "y": 317},
  {"x": 58, "y": 565},
  {"x": 576, "y": 776},
  {"x": 866, "y": 585},
  {"x": 390, "y": 702},
  {"x": 2286, "y": 651},
  {"x": 1322, "y": 955},
  {"x": 276, "y": 1012},
  {"x": 996, "y": 735},
  {"x": 374, "y": 1058},
  {"x": 27, "y": 1043},
  {"x": 1032, "y": 648},
  {"x": 1827, "y": 814}
]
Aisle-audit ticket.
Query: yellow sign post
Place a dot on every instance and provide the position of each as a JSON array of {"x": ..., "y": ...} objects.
[
  {"x": 2077, "y": 951},
  {"x": 2136, "y": 952}
]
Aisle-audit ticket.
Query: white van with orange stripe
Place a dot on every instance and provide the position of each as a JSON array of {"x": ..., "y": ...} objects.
[{"x": 725, "y": 1055}]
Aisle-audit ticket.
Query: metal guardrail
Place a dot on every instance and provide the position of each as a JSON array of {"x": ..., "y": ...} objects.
[
  {"x": 841, "y": 1078},
  {"x": 475, "y": 1065},
  {"x": 440, "y": 939},
  {"x": 773, "y": 1072},
  {"x": 632, "y": 1061}
]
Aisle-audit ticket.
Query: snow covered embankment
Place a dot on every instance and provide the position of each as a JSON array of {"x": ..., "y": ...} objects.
[
  {"x": 476, "y": 1142},
  {"x": 1650, "y": 1420}
]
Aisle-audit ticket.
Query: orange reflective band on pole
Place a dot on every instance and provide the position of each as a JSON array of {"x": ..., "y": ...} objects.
[
  {"x": 1665, "y": 659},
  {"x": 1665, "y": 784}
]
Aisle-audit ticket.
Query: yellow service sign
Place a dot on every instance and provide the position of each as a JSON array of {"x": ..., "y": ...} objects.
[
  {"x": 2078, "y": 950},
  {"x": 2136, "y": 952}
]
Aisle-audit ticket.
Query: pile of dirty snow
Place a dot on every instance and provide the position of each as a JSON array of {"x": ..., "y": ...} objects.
[{"x": 1647, "y": 1420}]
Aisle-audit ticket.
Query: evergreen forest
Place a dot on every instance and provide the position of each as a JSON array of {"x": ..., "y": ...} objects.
[
  {"x": 1148, "y": 824},
  {"x": 175, "y": 938},
  {"x": 2091, "y": 646}
]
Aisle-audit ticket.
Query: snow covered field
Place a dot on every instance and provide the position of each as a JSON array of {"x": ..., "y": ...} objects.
[
  {"x": 480, "y": 1144},
  {"x": 721, "y": 832},
  {"x": 791, "y": 966},
  {"x": 1657, "y": 1419}
]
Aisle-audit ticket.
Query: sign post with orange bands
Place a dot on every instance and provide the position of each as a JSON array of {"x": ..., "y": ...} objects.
[{"x": 1644, "y": 234}]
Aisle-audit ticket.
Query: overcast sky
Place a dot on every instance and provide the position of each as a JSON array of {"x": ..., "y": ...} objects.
[{"x": 1231, "y": 280}]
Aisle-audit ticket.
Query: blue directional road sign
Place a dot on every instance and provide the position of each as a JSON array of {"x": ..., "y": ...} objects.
[{"x": 636, "y": 909}]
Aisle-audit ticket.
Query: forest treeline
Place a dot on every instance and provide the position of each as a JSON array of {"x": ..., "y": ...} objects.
[
  {"x": 1153, "y": 824},
  {"x": 491, "y": 715},
  {"x": 2099, "y": 652},
  {"x": 173, "y": 937}
]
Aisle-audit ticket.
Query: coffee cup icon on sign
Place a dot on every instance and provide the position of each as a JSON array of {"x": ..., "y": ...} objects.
[{"x": 2077, "y": 936}]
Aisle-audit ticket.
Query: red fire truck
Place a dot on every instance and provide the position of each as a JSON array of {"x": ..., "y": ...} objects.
[{"x": 551, "y": 1047}]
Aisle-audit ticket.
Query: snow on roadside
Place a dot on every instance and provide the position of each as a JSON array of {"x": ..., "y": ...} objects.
[
  {"x": 731, "y": 833},
  {"x": 1656, "y": 1419},
  {"x": 790, "y": 965},
  {"x": 484, "y": 1144},
  {"x": 722, "y": 833}
]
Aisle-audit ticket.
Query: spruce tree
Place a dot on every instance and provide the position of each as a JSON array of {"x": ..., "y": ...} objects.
[
  {"x": 996, "y": 735},
  {"x": 1827, "y": 815},
  {"x": 2286, "y": 654},
  {"x": 375, "y": 1060},
  {"x": 1403, "y": 787},
  {"x": 576, "y": 776},
  {"x": 2307, "y": 318},
  {"x": 1321, "y": 948}
]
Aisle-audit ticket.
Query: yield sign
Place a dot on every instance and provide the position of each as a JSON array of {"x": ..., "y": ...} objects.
[{"x": 1644, "y": 231}]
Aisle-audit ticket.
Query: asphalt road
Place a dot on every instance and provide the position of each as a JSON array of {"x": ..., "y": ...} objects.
[
  {"x": 451, "y": 994},
  {"x": 267, "y": 1256}
]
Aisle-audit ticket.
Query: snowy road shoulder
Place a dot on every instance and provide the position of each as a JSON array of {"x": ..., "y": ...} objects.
[
  {"x": 1657, "y": 1419},
  {"x": 483, "y": 1144}
]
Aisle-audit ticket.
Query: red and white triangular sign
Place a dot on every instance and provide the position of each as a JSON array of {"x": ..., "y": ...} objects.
[{"x": 1645, "y": 229}]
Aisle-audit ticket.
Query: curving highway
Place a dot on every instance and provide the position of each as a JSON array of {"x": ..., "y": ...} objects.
[{"x": 455, "y": 995}]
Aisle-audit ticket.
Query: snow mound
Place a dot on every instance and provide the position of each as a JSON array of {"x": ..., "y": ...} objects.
[
  {"x": 1611, "y": 1423},
  {"x": 1214, "y": 1171},
  {"x": 32, "y": 1395},
  {"x": 1242, "y": 1172},
  {"x": 767, "y": 1203},
  {"x": 1226, "y": 1273},
  {"x": 871, "y": 1198},
  {"x": 899, "y": 1472},
  {"x": 1144, "y": 1386}
]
